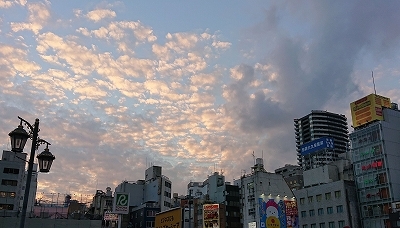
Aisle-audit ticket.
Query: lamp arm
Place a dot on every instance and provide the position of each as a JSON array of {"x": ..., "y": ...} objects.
[{"x": 28, "y": 125}]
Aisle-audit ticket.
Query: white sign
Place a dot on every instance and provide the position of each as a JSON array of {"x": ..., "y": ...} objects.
[
  {"x": 108, "y": 215},
  {"x": 121, "y": 203},
  {"x": 252, "y": 225}
]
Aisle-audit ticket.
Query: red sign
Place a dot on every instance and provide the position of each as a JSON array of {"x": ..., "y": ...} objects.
[{"x": 375, "y": 164}]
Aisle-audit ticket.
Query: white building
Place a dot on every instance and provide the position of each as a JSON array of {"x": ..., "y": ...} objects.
[
  {"x": 328, "y": 198},
  {"x": 266, "y": 199},
  {"x": 13, "y": 180},
  {"x": 375, "y": 153},
  {"x": 317, "y": 125}
]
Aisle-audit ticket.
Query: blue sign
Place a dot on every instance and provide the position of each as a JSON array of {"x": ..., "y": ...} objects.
[{"x": 316, "y": 145}]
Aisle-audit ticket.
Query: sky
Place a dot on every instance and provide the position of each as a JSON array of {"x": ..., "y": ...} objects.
[{"x": 196, "y": 87}]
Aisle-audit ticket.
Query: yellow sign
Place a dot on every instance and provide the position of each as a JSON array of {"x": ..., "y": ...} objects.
[
  {"x": 169, "y": 219},
  {"x": 368, "y": 108}
]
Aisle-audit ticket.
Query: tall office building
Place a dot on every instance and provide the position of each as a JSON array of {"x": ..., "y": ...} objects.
[
  {"x": 375, "y": 145},
  {"x": 321, "y": 137}
]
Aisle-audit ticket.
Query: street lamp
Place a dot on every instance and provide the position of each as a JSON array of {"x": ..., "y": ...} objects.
[{"x": 18, "y": 139}]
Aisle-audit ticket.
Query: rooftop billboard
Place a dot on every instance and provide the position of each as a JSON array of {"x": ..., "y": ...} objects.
[
  {"x": 368, "y": 108},
  {"x": 316, "y": 145}
]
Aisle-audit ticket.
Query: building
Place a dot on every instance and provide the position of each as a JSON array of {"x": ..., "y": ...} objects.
[
  {"x": 147, "y": 197},
  {"x": 13, "y": 181},
  {"x": 375, "y": 144},
  {"x": 293, "y": 175},
  {"x": 102, "y": 202},
  {"x": 320, "y": 125},
  {"x": 213, "y": 194},
  {"x": 266, "y": 199},
  {"x": 328, "y": 198}
]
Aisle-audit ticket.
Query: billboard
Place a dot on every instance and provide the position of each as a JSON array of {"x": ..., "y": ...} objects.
[
  {"x": 211, "y": 216},
  {"x": 277, "y": 213},
  {"x": 121, "y": 203},
  {"x": 316, "y": 145},
  {"x": 368, "y": 108},
  {"x": 169, "y": 219}
]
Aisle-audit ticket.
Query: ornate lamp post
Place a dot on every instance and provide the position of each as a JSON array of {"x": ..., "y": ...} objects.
[{"x": 18, "y": 139}]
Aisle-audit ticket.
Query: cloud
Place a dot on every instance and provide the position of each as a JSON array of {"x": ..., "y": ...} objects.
[
  {"x": 39, "y": 14},
  {"x": 99, "y": 14}
]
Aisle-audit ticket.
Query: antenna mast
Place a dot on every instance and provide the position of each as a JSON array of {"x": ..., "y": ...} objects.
[{"x": 373, "y": 81}]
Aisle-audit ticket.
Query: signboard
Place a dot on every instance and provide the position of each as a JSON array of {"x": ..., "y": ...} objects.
[
  {"x": 252, "y": 225},
  {"x": 368, "y": 108},
  {"x": 316, "y": 145},
  {"x": 292, "y": 219},
  {"x": 121, "y": 203},
  {"x": 108, "y": 215},
  {"x": 211, "y": 215},
  {"x": 169, "y": 219}
]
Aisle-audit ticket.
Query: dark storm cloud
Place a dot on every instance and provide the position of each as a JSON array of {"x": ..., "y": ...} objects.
[{"x": 318, "y": 65}]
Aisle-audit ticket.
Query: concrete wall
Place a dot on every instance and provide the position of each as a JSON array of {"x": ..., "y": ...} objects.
[{"x": 9, "y": 222}]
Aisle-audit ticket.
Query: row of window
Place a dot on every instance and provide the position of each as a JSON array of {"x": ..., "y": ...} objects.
[
  {"x": 322, "y": 225},
  {"x": 7, "y": 194},
  {"x": 318, "y": 197},
  {"x": 9, "y": 182},
  {"x": 11, "y": 170},
  {"x": 329, "y": 210}
]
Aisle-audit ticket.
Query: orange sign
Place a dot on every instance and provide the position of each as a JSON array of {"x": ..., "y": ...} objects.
[{"x": 368, "y": 108}]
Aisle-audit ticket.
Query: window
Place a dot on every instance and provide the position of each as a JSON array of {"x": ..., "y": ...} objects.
[
  {"x": 150, "y": 224},
  {"x": 167, "y": 184},
  {"x": 303, "y": 214},
  {"x": 320, "y": 211},
  {"x": 319, "y": 197},
  {"x": 322, "y": 225},
  {"x": 9, "y": 182},
  {"x": 11, "y": 170},
  {"x": 3, "y": 194},
  {"x": 310, "y": 199},
  {"x": 329, "y": 210},
  {"x": 305, "y": 226},
  {"x": 331, "y": 225},
  {"x": 151, "y": 213},
  {"x": 338, "y": 194},
  {"x": 339, "y": 209},
  {"x": 312, "y": 213},
  {"x": 301, "y": 200},
  {"x": 11, "y": 194},
  {"x": 313, "y": 225},
  {"x": 328, "y": 196},
  {"x": 341, "y": 223}
]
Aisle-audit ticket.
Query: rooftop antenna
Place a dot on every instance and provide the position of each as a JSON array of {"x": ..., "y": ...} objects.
[
  {"x": 373, "y": 81},
  {"x": 254, "y": 159}
]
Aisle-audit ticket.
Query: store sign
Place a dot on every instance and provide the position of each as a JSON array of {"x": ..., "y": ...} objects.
[
  {"x": 376, "y": 164},
  {"x": 121, "y": 203}
]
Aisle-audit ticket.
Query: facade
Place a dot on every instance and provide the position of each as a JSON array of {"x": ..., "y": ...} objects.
[
  {"x": 328, "y": 198},
  {"x": 266, "y": 199},
  {"x": 147, "y": 197},
  {"x": 102, "y": 202},
  {"x": 293, "y": 175},
  {"x": 317, "y": 125},
  {"x": 13, "y": 180},
  {"x": 375, "y": 153},
  {"x": 214, "y": 192}
]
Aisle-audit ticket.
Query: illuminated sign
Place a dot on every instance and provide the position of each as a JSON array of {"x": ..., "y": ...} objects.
[
  {"x": 375, "y": 164},
  {"x": 169, "y": 219},
  {"x": 316, "y": 145},
  {"x": 368, "y": 108}
]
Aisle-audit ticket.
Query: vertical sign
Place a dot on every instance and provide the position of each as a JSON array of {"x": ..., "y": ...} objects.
[
  {"x": 292, "y": 218},
  {"x": 121, "y": 203},
  {"x": 211, "y": 215}
]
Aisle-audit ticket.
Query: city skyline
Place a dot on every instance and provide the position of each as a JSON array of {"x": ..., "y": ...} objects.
[{"x": 192, "y": 87}]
